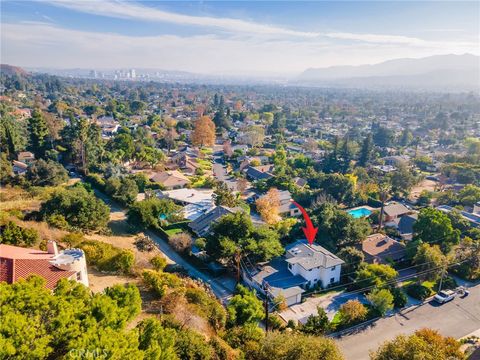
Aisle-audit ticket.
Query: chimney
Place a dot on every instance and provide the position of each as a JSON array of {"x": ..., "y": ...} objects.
[{"x": 52, "y": 247}]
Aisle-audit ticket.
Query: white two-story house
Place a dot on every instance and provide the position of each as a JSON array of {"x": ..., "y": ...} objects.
[
  {"x": 303, "y": 266},
  {"x": 314, "y": 263}
]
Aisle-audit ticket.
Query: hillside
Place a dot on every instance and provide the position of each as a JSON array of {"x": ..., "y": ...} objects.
[
  {"x": 441, "y": 72},
  {"x": 12, "y": 70}
]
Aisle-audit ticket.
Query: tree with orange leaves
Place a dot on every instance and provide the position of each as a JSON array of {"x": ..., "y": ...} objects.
[
  {"x": 204, "y": 132},
  {"x": 269, "y": 205}
]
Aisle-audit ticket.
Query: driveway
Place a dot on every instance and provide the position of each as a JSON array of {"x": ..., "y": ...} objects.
[
  {"x": 456, "y": 318},
  {"x": 330, "y": 303},
  {"x": 223, "y": 287}
]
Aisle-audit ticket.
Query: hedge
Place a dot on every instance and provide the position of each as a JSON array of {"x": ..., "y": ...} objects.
[
  {"x": 418, "y": 291},
  {"x": 106, "y": 257}
]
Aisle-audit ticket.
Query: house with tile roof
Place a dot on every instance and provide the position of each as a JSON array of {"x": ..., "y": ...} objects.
[
  {"x": 19, "y": 263},
  {"x": 170, "y": 179},
  {"x": 381, "y": 249}
]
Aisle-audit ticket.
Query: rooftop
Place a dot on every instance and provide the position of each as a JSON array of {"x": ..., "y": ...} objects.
[
  {"x": 311, "y": 256},
  {"x": 381, "y": 246},
  {"x": 189, "y": 196}
]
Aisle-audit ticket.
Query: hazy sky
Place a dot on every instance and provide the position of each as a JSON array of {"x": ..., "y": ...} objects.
[{"x": 232, "y": 37}]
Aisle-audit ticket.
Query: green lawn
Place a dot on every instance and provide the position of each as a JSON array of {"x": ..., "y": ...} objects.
[
  {"x": 173, "y": 231},
  {"x": 205, "y": 164},
  {"x": 207, "y": 151}
]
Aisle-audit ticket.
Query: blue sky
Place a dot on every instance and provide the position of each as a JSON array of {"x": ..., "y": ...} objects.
[{"x": 232, "y": 37}]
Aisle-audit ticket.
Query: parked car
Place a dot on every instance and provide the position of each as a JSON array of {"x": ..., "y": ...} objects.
[{"x": 444, "y": 296}]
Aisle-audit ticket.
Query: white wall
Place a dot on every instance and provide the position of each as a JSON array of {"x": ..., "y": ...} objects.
[{"x": 317, "y": 274}]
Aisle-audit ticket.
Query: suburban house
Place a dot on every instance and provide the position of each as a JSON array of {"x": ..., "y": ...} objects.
[
  {"x": 202, "y": 224},
  {"x": 262, "y": 172},
  {"x": 195, "y": 202},
  {"x": 394, "y": 211},
  {"x": 472, "y": 218},
  {"x": 26, "y": 157},
  {"x": 19, "y": 263},
  {"x": 108, "y": 125},
  {"x": 19, "y": 168},
  {"x": 302, "y": 267},
  {"x": 184, "y": 160},
  {"x": 405, "y": 226},
  {"x": 287, "y": 208},
  {"x": 300, "y": 182},
  {"x": 381, "y": 249},
  {"x": 170, "y": 179}
]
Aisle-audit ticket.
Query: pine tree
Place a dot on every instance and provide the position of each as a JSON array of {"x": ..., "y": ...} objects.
[
  {"x": 366, "y": 152},
  {"x": 38, "y": 132}
]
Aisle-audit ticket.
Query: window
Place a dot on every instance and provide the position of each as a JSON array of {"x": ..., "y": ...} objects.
[
  {"x": 332, "y": 280},
  {"x": 79, "y": 276},
  {"x": 290, "y": 266},
  {"x": 310, "y": 270},
  {"x": 333, "y": 268}
]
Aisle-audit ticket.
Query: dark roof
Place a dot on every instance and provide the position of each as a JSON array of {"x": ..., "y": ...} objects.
[
  {"x": 405, "y": 225},
  {"x": 201, "y": 225},
  {"x": 277, "y": 275},
  {"x": 262, "y": 172}
]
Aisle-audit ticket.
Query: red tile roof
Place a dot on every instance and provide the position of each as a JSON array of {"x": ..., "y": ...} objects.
[{"x": 19, "y": 263}]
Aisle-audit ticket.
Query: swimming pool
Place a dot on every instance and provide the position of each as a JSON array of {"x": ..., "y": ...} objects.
[{"x": 360, "y": 212}]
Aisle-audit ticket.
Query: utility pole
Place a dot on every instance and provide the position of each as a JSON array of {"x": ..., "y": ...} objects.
[
  {"x": 265, "y": 304},
  {"x": 442, "y": 274},
  {"x": 237, "y": 260}
]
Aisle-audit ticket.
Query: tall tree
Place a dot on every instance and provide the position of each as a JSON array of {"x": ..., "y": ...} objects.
[
  {"x": 268, "y": 206},
  {"x": 366, "y": 151},
  {"x": 384, "y": 189},
  {"x": 434, "y": 226},
  {"x": 38, "y": 132},
  {"x": 425, "y": 344},
  {"x": 204, "y": 132}
]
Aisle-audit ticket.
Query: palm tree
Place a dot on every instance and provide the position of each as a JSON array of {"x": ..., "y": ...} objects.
[{"x": 384, "y": 190}]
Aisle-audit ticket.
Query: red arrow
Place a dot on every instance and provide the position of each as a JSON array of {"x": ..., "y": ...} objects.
[{"x": 309, "y": 231}]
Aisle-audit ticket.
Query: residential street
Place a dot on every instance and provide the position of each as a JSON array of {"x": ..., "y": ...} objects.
[
  {"x": 456, "y": 318},
  {"x": 220, "y": 172},
  {"x": 222, "y": 287}
]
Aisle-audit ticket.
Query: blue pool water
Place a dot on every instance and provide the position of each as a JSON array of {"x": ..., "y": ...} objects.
[{"x": 360, "y": 212}]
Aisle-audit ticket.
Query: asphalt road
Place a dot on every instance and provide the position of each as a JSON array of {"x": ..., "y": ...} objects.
[
  {"x": 222, "y": 289},
  {"x": 220, "y": 172},
  {"x": 457, "y": 318}
]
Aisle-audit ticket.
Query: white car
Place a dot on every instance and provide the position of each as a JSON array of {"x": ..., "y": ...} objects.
[{"x": 445, "y": 296}]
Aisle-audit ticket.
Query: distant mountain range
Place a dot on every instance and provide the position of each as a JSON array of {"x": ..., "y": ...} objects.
[
  {"x": 11, "y": 70},
  {"x": 440, "y": 73}
]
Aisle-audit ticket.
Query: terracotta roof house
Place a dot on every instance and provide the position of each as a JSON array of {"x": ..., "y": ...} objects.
[
  {"x": 19, "y": 263},
  {"x": 171, "y": 179},
  {"x": 26, "y": 157},
  {"x": 379, "y": 249},
  {"x": 395, "y": 211}
]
